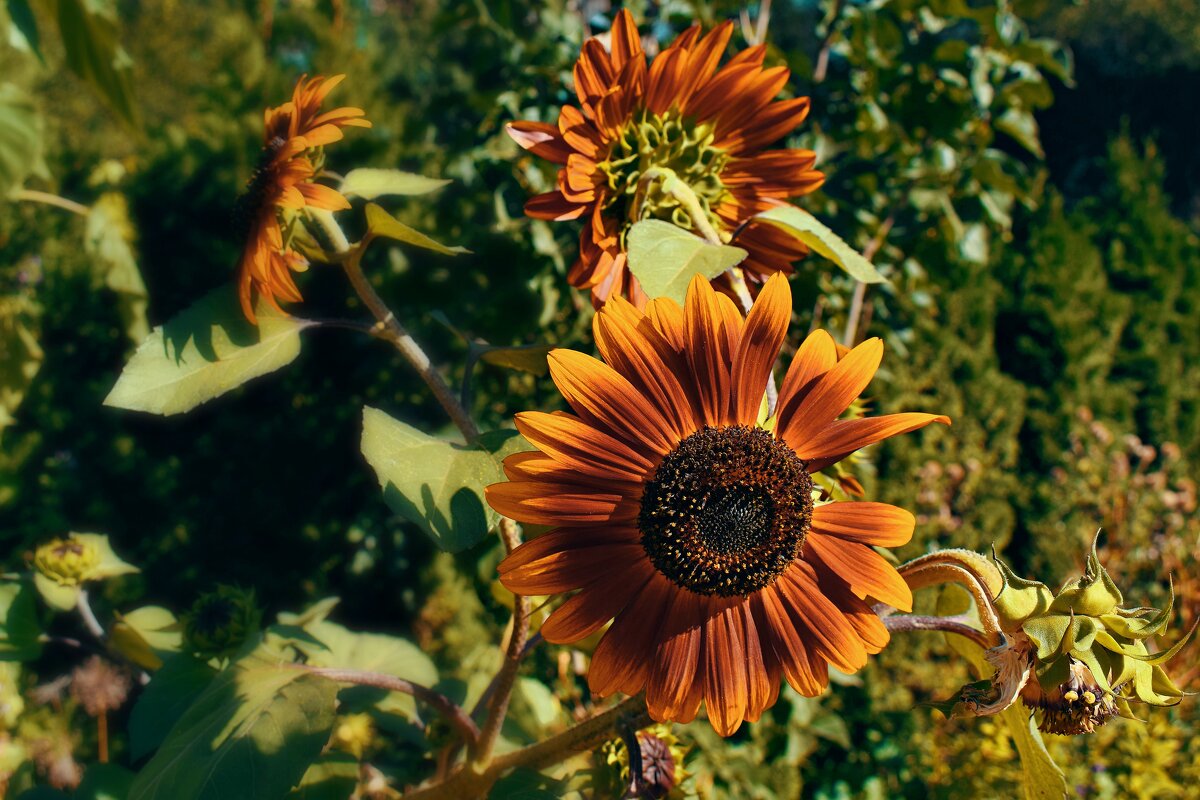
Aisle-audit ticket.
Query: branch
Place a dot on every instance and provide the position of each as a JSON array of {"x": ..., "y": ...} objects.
[
  {"x": 850, "y": 337},
  {"x": 453, "y": 713},
  {"x": 944, "y": 624}
]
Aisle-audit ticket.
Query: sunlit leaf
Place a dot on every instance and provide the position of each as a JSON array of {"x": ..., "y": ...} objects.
[
  {"x": 94, "y": 53},
  {"x": 20, "y": 138},
  {"x": 664, "y": 258},
  {"x": 140, "y": 633},
  {"x": 371, "y": 183},
  {"x": 110, "y": 564},
  {"x": 436, "y": 484},
  {"x": 526, "y": 358},
  {"x": 822, "y": 240},
  {"x": 250, "y": 735},
  {"x": 381, "y": 223},
  {"x": 333, "y": 777},
  {"x": 56, "y": 595},
  {"x": 204, "y": 352},
  {"x": 1021, "y": 126},
  {"x": 23, "y": 20}
]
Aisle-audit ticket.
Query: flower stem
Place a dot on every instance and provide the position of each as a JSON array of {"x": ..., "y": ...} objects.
[
  {"x": 389, "y": 328},
  {"x": 966, "y": 568},
  {"x": 88, "y": 616},
  {"x": 453, "y": 713},
  {"x": 905, "y": 622},
  {"x": 34, "y": 196}
]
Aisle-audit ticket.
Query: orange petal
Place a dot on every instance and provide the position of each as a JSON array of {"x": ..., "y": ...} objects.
[
  {"x": 623, "y": 658},
  {"x": 843, "y": 437},
  {"x": 788, "y": 642},
  {"x": 866, "y": 623},
  {"x": 816, "y": 356},
  {"x": 581, "y": 447},
  {"x": 829, "y": 632},
  {"x": 320, "y": 196},
  {"x": 725, "y": 693},
  {"x": 667, "y": 317},
  {"x": 708, "y": 351},
  {"x": 831, "y": 395},
  {"x": 864, "y": 522},
  {"x": 553, "y": 206},
  {"x": 766, "y": 326},
  {"x": 541, "y": 139},
  {"x": 565, "y": 570},
  {"x": 675, "y": 689},
  {"x": 866, "y": 572},
  {"x": 595, "y": 604},
  {"x": 548, "y": 504},
  {"x": 601, "y": 395},
  {"x": 625, "y": 42},
  {"x": 759, "y": 692}
]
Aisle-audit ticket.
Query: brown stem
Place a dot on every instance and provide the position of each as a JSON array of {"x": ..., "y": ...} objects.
[
  {"x": 903, "y": 622},
  {"x": 822, "y": 66},
  {"x": 850, "y": 337},
  {"x": 920, "y": 575},
  {"x": 389, "y": 328},
  {"x": 453, "y": 713},
  {"x": 506, "y": 677},
  {"x": 34, "y": 196},
  {"x": 102, "y": 736}
]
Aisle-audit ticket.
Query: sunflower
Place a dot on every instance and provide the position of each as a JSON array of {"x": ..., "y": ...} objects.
[
  {"x": 284, "y": 184},
  {"x": 691, "y": 526},
  {"x": 707, "y": 126}
]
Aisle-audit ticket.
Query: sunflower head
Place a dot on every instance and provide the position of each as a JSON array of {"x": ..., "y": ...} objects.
[
  {"x": 220, "y": 621},
  {"x": 67, "y": 562},
  {"x": 693, "y": 527},
  {"x": 680, "y": 118},
  {"x": 283, "y": 185}
]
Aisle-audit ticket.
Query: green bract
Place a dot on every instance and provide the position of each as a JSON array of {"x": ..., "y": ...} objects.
[{"x": 1088, "y": 654}]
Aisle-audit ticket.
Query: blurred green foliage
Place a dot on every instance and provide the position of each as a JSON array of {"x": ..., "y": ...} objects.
[{"x": 1050, "y": 309}]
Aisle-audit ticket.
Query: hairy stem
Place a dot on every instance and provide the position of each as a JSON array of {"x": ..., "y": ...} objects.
[
  {"x": 453, "y": 713},
  {"x": 47, "y": 198},
  {"x": 919, "y": 574},
  {"x": 389, "y": 328},
  {"x": 904, "y": 622}
]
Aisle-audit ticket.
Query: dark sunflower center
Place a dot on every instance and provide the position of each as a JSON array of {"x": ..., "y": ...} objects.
[
  {"x": 667, "y": 142},
  {"x": 726, "y": 511},
  {"x": 258, "y": 189}
]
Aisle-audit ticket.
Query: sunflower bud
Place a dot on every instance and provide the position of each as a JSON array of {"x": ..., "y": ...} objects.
[
  {"x": 67, "y": 562},
  {"x": 220, "y": 621},
  {"x": 1076, "y": 658}
]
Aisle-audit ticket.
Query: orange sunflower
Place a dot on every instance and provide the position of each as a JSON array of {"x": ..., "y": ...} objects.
[
  {"x": 708, "y": 126},
  {"x": 691, "y": 526},
  {"x": 284, "y": 184}
]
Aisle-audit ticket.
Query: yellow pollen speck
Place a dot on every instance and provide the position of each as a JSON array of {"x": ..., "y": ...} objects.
[
  {"x": 1089, "y": 698},
  {"x": 1071, "y": 696}
]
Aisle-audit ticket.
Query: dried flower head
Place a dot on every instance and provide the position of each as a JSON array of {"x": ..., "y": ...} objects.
[{"x": 99, "y": 686}]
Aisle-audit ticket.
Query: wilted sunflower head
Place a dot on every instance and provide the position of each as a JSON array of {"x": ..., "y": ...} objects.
[
  {"x": 680, "y": 117},
  {"x": 1085, "y": 656},
  {"x": 283, "y": 185}
]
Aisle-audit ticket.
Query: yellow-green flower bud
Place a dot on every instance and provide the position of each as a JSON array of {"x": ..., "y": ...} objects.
[
  {"x": 220, "y": 621},
  {"x": 354, "y": 734},
  {"x": 11, "y": 701},
  {"x": 67, "y": 562}
]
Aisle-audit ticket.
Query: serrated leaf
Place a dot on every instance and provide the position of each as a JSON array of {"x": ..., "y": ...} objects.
[
  {"x": 94, "y": 53},
  {"x": 821, "y": 239},
  {"x": 204, "y": 352},
  {"x": 381, "y": 223},
  {"x": 435, "y": 484},
  {"x": 108, "y": 240},
  {"x": 664, "y": 258},
  {"x": 251, "y": 734},
  {"x": 19, "y": 628},
  {"x": 179, "y": 681},
  {"x": 371, "y": 183},
  {"x": 21, "y": 140}
]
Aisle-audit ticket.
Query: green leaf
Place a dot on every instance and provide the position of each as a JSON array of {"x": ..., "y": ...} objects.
[
  {"x": 333, "y": 777},
  {"x": 1022, "y": 127},
  {"x": 204, "y": 352},
  {"x": 813, "y": 233},
  {"x": 23, "y": 20},
  {"x": 95, "y": 55},
  {"x": 104, "y": 782},
  {"x": 174, "y": 686},
  {"x": 20, "y": 354},
  {"x": 251, "y": 734},
  {"x": 140, "y": 633},
  {"x": 317, "y": 612},
  {"x": 525, "y": 358},
  {"x": 108, "y": 238},
  {"x": 372, "y": 652},
  {"x": 19, "y": 629},
  {"x": 381, "y": 223},
  {"x": 436, "y": 484},
  {"x": 20, "y": 138},
  {"x": 371, "y": 183},
  {"x": 664, "y": 258},
  {"x": 1041, "y": 778},
  {"x": 58, "y": 597}
]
